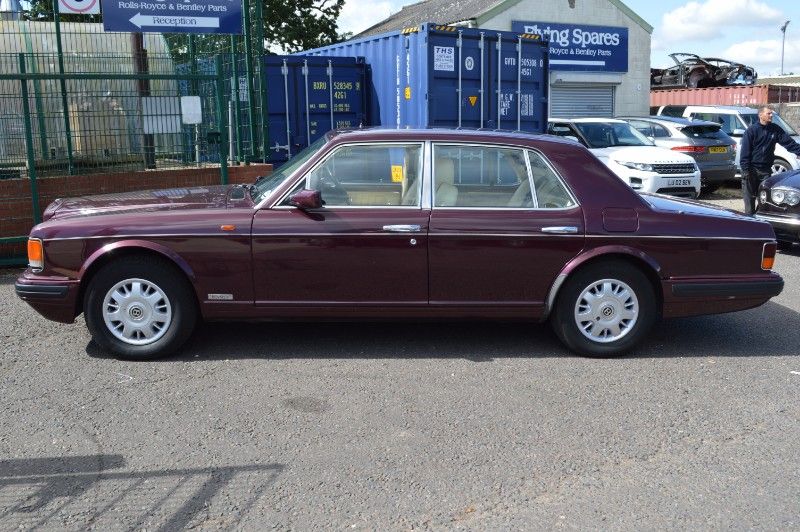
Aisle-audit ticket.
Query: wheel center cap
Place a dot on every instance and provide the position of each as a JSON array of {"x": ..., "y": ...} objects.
[
  {"x": 136, "y": 312},
  {"x": 607, "y": 311}
]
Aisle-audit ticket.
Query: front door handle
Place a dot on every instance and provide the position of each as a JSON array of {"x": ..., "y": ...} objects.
[
  {"x": 561, "y": 230},
  {"x": 402, "y": 228}
]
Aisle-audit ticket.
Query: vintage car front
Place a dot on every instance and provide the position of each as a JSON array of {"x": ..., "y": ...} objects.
[{"x": 779, "y": 204}]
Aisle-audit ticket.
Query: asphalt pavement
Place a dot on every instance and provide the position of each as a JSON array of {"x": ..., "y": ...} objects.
[{"x": 389, "y": 426}]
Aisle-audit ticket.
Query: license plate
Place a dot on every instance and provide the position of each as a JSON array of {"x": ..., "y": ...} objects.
[
  {"x": 718, "y": 149},
  {"x": 679, "y": 182}
]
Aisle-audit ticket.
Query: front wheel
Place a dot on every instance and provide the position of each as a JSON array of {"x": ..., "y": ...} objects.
[
  {"x": 140, "y": 308},
  {"x": 780, "y": 166},
  {"x": 605, "y": 309}
]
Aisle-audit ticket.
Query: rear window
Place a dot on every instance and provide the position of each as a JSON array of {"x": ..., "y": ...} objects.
[
  {"x": 704, "y": 132},
  {"x": 673, "y": 110}
]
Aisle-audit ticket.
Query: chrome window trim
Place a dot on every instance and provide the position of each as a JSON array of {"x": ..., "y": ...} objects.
[
  {"x": 277, "y": 204},
  {"x": 534, "y": 197}
]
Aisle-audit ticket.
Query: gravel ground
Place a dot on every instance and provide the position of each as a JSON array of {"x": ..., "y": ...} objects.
[{"x": 405, "y": 426}]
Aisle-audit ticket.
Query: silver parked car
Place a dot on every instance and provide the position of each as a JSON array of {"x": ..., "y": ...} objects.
[{"x": 712, "y": 149}]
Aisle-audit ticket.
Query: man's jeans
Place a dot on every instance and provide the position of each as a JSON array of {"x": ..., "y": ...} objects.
[{"x": 750, "y": 182}]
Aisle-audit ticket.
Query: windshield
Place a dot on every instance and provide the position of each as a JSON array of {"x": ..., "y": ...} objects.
[
  {"x": 606, "y": 134},
  {"x": 266, "y": 185}
]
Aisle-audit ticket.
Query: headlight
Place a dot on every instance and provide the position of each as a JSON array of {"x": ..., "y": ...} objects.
[
  {"x": 644, "y": 167},
  {"x": 789, "y": 196}
]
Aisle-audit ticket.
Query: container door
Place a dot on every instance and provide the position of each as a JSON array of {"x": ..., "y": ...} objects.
[
  {"x": 281, "y": 104},
  {"x": 459, "y": 81},
  {"x": 518, "y": 84}
]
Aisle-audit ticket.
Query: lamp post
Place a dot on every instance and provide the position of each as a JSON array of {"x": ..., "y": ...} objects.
[{"x": 783, "y": 42}]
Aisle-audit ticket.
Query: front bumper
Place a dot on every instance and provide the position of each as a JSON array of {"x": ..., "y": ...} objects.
[
  {"x": 54, "y": 299},
  {"x": 787, "y": 228}
]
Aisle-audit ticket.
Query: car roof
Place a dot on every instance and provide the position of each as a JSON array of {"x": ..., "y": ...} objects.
[
  {"x": 434, "y": 132},
  {"x": 588, "y": 120},
  {"x": 673, "y": 120},
  {"x": 734, "y": 108}
]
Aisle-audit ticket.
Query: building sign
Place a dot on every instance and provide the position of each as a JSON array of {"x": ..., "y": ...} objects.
[
  {"x": 79, "y": 7},
  {"x": 173, "y": 16},
  {"x": 581, "y": 47}
]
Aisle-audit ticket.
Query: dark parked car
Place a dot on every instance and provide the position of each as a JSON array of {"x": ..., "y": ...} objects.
[
  {"x": 712, "y": 149},
  {"x": 693, "y": 71},
  {"x": 399, "y": 224},
  {"x": 779, "y": 204}
]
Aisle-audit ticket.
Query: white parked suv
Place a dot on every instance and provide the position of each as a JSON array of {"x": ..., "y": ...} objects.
[
  {"x": 632, "y": 156},
  {"x": 734, "y": 121}
]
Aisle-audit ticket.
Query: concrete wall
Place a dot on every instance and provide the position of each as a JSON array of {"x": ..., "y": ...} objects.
[{"x": 632, "y": 91}]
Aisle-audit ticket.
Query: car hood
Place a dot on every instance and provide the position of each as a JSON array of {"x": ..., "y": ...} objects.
[
  {"x": 146, "y": 200},
  {"x": 784, "y": 179},
  {"x": 642, "y": 154}
]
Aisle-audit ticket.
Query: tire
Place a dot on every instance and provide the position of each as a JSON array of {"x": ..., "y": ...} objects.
[
  {"x": 628, "y": 292},
  {"x": 785, "y": 245},
  {"x": 140, "y": 308},
  {"x": 780, "y": 166},
  {"x": 709, "y": 188}
]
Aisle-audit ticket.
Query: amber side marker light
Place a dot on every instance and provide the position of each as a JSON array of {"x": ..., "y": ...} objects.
[
  {"x": 768, "y": 256},
  {"x": 35, "y": 254}
]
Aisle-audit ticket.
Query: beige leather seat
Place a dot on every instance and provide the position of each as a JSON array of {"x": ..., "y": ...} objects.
[
  {"x": 522, "y": 196},
  {"x": 446, "y": 193}
]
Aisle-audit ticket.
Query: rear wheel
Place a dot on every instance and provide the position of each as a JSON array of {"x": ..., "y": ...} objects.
[
  {"x": 140, "y": 308},
  {"x": 605, "y": 309}
]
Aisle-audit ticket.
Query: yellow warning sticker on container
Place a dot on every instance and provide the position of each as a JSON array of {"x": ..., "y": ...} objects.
[
  {"x": 473, "y": 100},
  {"x": 397, "y": 173},
  {"x": 408, "y": 93}
]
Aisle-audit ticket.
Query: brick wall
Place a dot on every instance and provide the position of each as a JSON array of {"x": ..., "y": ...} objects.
[{"x": 16, "y": 209}]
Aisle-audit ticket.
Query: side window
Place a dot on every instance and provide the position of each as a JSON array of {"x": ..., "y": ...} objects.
[
  {"x": 550, "y": 192},
  {"x": 370, "y": 175},
  {"x": 476, "y": 176},
  {"x": 660, "y": 132},
  {"x": 645, "y": 128}
]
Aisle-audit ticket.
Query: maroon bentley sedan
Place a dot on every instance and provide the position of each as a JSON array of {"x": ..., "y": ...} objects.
[{"x": 399, "y": 224}]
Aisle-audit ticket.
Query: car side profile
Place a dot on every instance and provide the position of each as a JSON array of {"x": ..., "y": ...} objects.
[
  {"x": 705, "y": 142},
  {"x": 399, "y": 224}
]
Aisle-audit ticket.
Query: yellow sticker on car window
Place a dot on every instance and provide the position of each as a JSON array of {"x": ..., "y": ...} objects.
[{"x": 397, "y": 173}]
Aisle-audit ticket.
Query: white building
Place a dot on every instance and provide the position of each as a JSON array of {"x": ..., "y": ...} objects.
[{"x": 599, "y": 49}]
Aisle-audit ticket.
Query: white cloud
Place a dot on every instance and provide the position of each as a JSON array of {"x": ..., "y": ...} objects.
[
  {"x": 711, "y": 19},
  {"x": 358, "y": 15},
  {"x": 765, "y": 55}
]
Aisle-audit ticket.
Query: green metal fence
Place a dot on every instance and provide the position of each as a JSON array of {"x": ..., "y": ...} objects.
[{"x": 76, "y": 101}]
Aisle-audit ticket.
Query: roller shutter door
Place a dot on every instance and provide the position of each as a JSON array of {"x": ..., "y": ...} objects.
[{"x": 579, "y": 102}]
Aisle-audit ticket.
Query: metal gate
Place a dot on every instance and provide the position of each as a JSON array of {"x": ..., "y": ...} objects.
[{"x": 582, "y": 101}]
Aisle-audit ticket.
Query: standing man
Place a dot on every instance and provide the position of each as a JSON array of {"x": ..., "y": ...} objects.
[{"x": 758, "y": 154}]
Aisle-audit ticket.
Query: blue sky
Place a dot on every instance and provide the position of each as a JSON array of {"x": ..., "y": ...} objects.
[{"x": 747, "y": 31}]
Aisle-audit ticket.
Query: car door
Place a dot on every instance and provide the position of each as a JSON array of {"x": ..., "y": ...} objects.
[
  {"x": 503, "y": 225},
  {"x": 366, "y": 246}
]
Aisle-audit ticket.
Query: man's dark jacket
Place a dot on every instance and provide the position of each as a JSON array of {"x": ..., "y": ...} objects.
[{"x": 758, "y": 146}]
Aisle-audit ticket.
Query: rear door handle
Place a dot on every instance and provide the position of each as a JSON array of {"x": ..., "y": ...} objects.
[
  {"x": 561, "y": 230},
  {"x": 402, "y": 228}
]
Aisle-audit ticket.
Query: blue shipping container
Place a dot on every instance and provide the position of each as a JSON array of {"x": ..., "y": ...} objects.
[
  {"x": 433, "y": 75},
  {"x": 309, "y": 96}
]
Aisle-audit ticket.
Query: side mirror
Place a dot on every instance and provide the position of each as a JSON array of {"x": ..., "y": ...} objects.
[
  {"x": 737, "y": 133},
  {"x": 306, "y": 199}
]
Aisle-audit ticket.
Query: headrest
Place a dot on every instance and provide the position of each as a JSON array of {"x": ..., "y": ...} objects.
[{"x": 444, "y": 171}]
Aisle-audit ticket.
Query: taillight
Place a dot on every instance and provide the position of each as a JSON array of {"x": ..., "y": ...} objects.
[
  {"x": 768, "y": 255},
  {"x": 689, "y": 149},
  {"x": 35, "y": 254}
]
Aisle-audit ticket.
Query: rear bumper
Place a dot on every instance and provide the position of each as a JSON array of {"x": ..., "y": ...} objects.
[
  {"x": 695, "y": 297},
  {"x": 53, "y": 299},
  {"x": 717, "y": 174}
]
